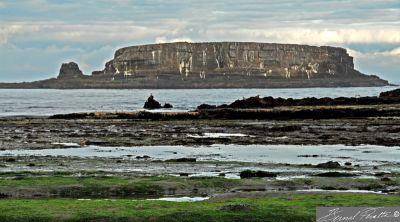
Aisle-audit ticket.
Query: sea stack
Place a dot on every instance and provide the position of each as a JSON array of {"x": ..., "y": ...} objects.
[
  {"x": 69, "y": 70},
  {"x": 151, "y": 103}
]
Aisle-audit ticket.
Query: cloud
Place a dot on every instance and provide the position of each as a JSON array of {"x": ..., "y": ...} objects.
[
  {"x": 81, "y": 33},
  {"x": 9, "y": 30},
  {"x": 383, "y": 63},
  {"x": 163, "y": 39},
  {"x": 172, "y": 30},
  {"x": 390, "y": 53},
  {"x": 310, "y": 36}
]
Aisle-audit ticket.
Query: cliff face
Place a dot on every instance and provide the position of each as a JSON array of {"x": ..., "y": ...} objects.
[{"x": 203, "y": 60}]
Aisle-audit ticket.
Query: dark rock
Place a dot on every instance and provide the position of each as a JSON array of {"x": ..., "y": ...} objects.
[
  {"x": 31, "y": 165},
  {"x": 182, "y": 160},
  {"x": 222, "y": 174},
  {"x": 390, "y": 94},
  {"x": 269, "y": 102},
  {"x": 143, "y": 157},
  {"x": 334, "y": 174},
  {"x": 236, "y": 207},
  {"x": 314, "y": 156},
  {"x": 69, "y": 71},
  {"x": 151, "y": 103},
  {"x": 11, "y": 160},
  {"x": 347, "y": 164},
  {"x": 184, "y": 174},
  {"x": 386, "y": 179},
  {"x": 3, "y": 195},
  {"x": 381, "y": 174},
  {"x": 259, "y": 173},
  {"x": 329, "y": 165},
  {"x": 252, "y": 102},
  {"x": 206, "y": 106},
  {"x": 167, "y": 106}
]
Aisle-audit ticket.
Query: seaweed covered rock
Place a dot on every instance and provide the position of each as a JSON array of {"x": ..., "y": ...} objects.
[
  {"x": 393, "y": 94},
  {"x": 168, "y": 106},
  {"x": 258, "y": 173},
  {"x": 257, "y": 102},
  {"x": 252, "y": 102},
  {"x": 329, "y": 165}
]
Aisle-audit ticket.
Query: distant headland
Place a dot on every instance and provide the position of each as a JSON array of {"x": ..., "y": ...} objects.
[{"x": 215, "y": 65}]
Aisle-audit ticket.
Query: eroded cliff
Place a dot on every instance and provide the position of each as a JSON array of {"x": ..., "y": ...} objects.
[{"x": 232, "y": 58}]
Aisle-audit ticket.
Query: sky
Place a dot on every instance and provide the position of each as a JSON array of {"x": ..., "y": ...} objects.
[{"x": 36, "y": 36}]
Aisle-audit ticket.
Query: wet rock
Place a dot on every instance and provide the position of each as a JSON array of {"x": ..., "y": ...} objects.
[
  {"x": 314, "y": 156},
  {"x": 31, "y": 165},
  {"x": 11, "y": 160},
  {"x": 167, "y": 106},
  {"x": 236, "y": 207},
  {"x": 285, "y": 128},
  {"x": 182, "y": 160},
  {"x": 143, "y": 157},
  {"x": 184, "y": 174},
  {"x": 269, "y": 102},
  {"x": 335, "y": 174},
  {"x": 393, "y": 94},
  {"x": 222, "y": 174},
  {"x": 151, "y": 103},
  {"x": 259, "y": 173},
  {"x": 386, "y": 179},
  {"x": 206, "y": 106},
  {"x": 3, "y": 196},
  {"x": 381, "y": 174},
  {"x": 252, "y": 102},
  {"x": 347, "y": 164},
  {"x": 329, "y": 165}
]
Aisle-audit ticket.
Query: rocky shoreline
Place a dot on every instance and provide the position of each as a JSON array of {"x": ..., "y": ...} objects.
[
  {"x": 340, "y": 148},
  {"x": 267, "y": 120}
]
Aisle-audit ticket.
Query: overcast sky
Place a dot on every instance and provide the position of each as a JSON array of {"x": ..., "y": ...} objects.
[{"x": 36, "y": 36}]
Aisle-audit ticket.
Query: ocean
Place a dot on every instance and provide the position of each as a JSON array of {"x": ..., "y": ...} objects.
[{"x": 45, "y": 102}]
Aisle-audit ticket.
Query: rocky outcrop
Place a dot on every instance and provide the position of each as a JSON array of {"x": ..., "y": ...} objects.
[
  {"x": 329, "y": 165},
  {"x": 393, "y": 94},
  {"x": 69, "y": 71},
  {"x": 151, "y": 103},
  {"x": 216, "y": 65},
  {"x": 257, "y": 102},
  {"x": 203, "y": 60}
]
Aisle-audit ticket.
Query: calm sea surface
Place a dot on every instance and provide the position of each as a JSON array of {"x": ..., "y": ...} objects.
[{"x": 42, "y": 102}]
